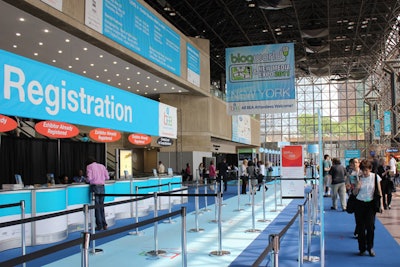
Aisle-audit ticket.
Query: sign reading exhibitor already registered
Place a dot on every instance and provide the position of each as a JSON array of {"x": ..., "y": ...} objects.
[{"x": 260, "y": 79}]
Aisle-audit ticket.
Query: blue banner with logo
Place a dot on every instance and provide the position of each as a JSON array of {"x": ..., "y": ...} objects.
[
  {"x": 35, "y": 90},
  {"x": 387, "y": 125},
  {"x": 377, "y": 129},
  {"x": 260, "y": 79}
]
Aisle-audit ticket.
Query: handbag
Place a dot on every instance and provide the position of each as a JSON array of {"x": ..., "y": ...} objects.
[
  {"x": 351, "y": 204},
  {"x": 377, "y": 197}
]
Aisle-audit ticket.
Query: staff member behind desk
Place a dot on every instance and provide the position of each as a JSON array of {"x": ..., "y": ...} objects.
[{"x": 97, "y": 174}]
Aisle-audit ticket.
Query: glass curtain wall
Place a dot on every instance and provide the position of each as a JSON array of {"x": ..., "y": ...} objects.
[{"x": 345, "y": 117}]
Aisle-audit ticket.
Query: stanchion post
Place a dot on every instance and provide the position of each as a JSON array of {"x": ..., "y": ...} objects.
[
  {"x": 301, "y": 235},
  {"x": 206, "y": 209},
  {"x": 93, "y": 226},
  {"x": 238, "y": 191},
  {"x": 184, "y": 237},
  {"x": 156, "y": 251},
  {"x": 275, "y": 203},
  {"x": 23, "y": 240},
  {"x": 219, "y": 252},
  {"x": 196, "y": 212},
  {"x": 86, "y": 241},
  {"x": 169, "y": 204},
  {"x": 253, "y": 229},
  {"x": 264, "y": 219},
  {"x": 137, "y": 232},
  {"x": 275, "y": 246}
]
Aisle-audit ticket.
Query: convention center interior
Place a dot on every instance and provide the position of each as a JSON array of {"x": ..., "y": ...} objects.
[{"x": 199, "y": 133}]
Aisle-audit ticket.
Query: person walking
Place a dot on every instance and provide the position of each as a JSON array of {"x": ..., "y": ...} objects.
[
  {"x": 212, "y": 174},
  {"x": 354, "y": 174},
  {"x": 386, "y": 183},
  {"x": 223, "y": 173},
  {"x": 338, "y": 174},
  {"x": 326, "y": 165},
  {"x": 97, "y": 174},
  {"x": 365, "y": 208},
  {"x": 244, "y": 175}
]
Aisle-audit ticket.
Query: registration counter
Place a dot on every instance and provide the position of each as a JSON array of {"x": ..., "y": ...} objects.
[{"x": 45, "y": 200}]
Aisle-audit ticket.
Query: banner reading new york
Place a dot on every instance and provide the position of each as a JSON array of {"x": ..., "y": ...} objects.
[{"x": 260, "y": 79}]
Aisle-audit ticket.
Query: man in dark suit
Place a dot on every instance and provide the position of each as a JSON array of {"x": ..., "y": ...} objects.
[{"x": 223, "y": 173}]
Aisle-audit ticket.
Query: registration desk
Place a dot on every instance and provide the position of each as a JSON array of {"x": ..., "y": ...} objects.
[{"x": 46, "y": 200}]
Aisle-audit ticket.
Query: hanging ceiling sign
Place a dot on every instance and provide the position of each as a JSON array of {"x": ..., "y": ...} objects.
[
  {"x": 139, "y": 139},
  {"x": 165, "y": 141},
  {"x": 7, "y": 124},
  {"x": 55, "y": 129},
  {"x": 104, "y": 135}
]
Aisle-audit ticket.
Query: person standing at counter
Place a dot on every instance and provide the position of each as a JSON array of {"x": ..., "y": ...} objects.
[
  {"x": 161, "y": 168},
  {"x": 97, "y": 174}
]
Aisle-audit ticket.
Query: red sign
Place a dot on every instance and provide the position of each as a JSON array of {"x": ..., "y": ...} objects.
[
  {"x": 139, "y": 139},
  {"x": 55, "y": 129},
  {"x": 7, "y": 124},
  {"x": 292, "y": 156},
  {"x": 104, "y": 135}
]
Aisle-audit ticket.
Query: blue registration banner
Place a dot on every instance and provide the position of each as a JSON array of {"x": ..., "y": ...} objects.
[
  {"x": 193, "y": 64},
  {"x": 135, "y": 27},
  {"x": 35, "y": 90},
  {"x": 260, "y": 79},
  {"x": 377, "y": 129}
]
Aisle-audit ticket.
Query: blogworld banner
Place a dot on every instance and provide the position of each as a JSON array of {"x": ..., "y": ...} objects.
[
  {"x": 35, "y": 90},
  {"x": 260, "y": 79}
]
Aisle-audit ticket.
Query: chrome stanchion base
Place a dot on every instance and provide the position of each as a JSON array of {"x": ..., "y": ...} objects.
[
  {"x": 169, "y": 221},
  {"x": 263, "y": 220},
  {"x": 155, "y": 253},
  {"x": 239, "y": 210},
  {"x": 215, "y": 221},
  {"x": 194, "y": 230},
  {"x": 137, "y": 233},
  {"x": 219, "y": 253},
  {"x": 198, "y": 213},
  {"x": 206, "y": 210},
  {"x": 96, "y": 251},
  {"x": 253, "y": 231},
  {"x": 311, "y": 258}
]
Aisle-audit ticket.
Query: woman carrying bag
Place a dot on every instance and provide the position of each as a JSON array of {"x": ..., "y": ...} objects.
[{"x": 369, "y": 201}]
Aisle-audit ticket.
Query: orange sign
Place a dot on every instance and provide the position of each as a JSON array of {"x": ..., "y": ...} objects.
[
  {"x": 7, "y": 124},
  {"x": 104, "y": 135},
  {"x": 139, "y": 139},
  {"x": 55, "y": 129}
]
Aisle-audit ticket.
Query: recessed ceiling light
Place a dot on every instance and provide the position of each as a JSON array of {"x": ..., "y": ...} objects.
[
  {"x": 15, "y": 46},
  {"x": 138, "y": 73},
  {"x": 157, "y": 81},
  {"x": 127, "y": 68},
  {"x": 165, "y": 84},
  {"x": 84, "y": 71},
  {"x": 137, "y": 90},
  {"x": 21, "y": 19},
  {"x": 77, "y": 58},
  {"x": 145, "y": 93},
  {"x": 70, "y": 67},
  {"x": 60, "y": 51},
  {"x": 91, "y": 64},
  {"x": 137, "y": 82},
  {"x": 67, "y": 40},
  {"x": 147, "y": 86},
  {"x": 119, "y": 84},
  {"x": 173, "y": 88},
  {"x": 85, "y": 48},
  {"x": 54, "y": 61},
  {"x": 40, "y": 43},
  {"x": 105, "y": 70},
  {"x": 128, "y": 79},
  {"x": 180, "y": 91},
  {"x": 108, "y": 80},
  {"x": 101, "y": 56},
  {"x": 97, "y": 76},
  {"x": 117, "y": 74},
  {"x": 148, "y": 77},
  {"x": 46, "y": 30},
  {"x": 17, "y": 34},
  {"x": 36, "y": 54},
  {"x": 115, "y": 62},
  {"x": 129, "y": 87}
]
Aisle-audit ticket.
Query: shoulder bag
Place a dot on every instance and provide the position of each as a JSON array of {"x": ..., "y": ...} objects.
[
  {"x": 377, "y": 197},
  {"x": 351, "y": 203}
]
